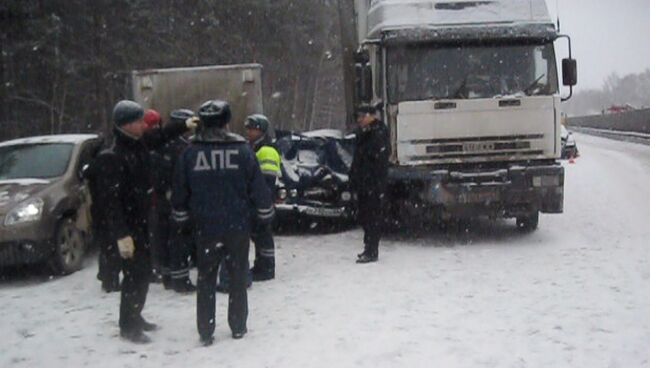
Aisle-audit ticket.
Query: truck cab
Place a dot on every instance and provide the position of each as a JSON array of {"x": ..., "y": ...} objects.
[{"x": 470, "y": 92}]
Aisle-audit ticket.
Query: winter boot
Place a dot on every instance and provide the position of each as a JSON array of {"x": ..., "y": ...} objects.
[
  {"x": 148, "y": 326},
  {"x": 367, "y": 257},
  {"x": 183, "y": 285},
  {"x": 259, "y": 275},
  {"x": 136, "y": 336},
  {"x": 167, "y": 282},
  {"x": 207, "y": 341},
  {"x": 239, "y": 334},
  {"x": 110, "y": 286}
]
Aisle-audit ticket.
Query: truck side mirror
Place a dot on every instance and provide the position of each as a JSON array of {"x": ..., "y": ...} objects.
[
  {"x": 363, "y": 82},
  {"x": 569, "y": 72}
]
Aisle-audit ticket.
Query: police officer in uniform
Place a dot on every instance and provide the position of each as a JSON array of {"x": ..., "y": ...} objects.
[
  {"x": 268, "y": 157},
  {"x": 217, "y": 183},
  {"x": 257, "y": 128},
  {"x": 368, "y": 177},
  {"x": 125, "y": 199}
]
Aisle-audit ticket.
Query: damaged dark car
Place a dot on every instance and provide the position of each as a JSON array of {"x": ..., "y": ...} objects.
[{"x": 314, "y": 183}]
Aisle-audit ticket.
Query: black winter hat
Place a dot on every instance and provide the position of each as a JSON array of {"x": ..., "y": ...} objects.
[
  {"x": 215, "y": 113},
  {"x": 126, "y": 112},
  {"x": 181, "y": 115},
  {"x": 365, "y": 108},
  {"x": 257, "y": 121}
]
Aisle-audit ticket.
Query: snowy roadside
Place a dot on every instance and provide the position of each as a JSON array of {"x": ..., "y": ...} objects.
[{"x": 573, "y": 294}]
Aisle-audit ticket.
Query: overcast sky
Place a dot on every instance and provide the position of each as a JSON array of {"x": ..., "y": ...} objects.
[{"x": 607, "y": 35}]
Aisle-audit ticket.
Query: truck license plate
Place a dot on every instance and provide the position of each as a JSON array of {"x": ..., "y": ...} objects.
[{"x": 478, "y": 197}]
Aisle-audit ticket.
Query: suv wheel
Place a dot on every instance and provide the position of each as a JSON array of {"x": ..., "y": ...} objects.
[{"x": 69, "y": 248}]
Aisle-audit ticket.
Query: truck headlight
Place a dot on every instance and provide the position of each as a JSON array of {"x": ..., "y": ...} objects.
[
  {"x": 28, "y": 211},
  {"x": 546, "y": 181},
  {"x": 346, "y": 196},
  {"x": 293, "y": 193}
]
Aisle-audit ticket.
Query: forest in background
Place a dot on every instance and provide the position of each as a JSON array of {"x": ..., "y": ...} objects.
[
  {"x": 64, "y": 63},
  {"x": 632, "y": 89}
]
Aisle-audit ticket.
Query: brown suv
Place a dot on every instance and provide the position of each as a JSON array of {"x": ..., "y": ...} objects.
[{"x": 44, "y": 202}]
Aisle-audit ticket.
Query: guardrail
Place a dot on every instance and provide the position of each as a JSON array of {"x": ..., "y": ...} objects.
[
  {"x": 615, "y": 134},
  {"x": 637, "y": 121}
]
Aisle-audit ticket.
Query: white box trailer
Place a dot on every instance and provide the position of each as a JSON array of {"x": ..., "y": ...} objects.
[
  {"x": 168, "y": 89},
  {"x": 470, "y": 93}
]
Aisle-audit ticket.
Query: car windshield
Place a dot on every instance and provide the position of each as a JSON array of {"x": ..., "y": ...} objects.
[
  {"x": 420, "y": 72},
  {"x": 40, "y": 161}
]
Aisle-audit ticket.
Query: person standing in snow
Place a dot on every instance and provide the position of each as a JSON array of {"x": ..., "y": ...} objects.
[
  {"x": 268, "y": 157},
  {"x": 172, "y": 247},
  {"x": 217, "y": 184},
  {"x": 124, "y": 201},
  {"x": 369, "y": 176}
]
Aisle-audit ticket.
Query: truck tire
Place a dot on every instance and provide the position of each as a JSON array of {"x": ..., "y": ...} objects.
[
  {"x": 528, "y": 223},
  {"x": 69, "y": 249}
]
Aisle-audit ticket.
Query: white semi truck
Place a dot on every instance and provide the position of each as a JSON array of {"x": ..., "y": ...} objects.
[{"x": 470, "y": 93}]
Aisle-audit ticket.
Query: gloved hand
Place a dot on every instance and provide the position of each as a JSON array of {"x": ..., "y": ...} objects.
[
  {"x": 192, "y": 123},
  {"x": 126, "y": 247}
]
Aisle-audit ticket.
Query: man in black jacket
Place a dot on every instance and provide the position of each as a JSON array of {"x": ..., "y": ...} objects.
[
  {"x": 368, "y": 178},
  {"x": 123, "y": 200}
]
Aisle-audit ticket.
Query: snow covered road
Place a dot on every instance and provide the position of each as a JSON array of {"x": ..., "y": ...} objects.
[{"x": 576, "y": 293}]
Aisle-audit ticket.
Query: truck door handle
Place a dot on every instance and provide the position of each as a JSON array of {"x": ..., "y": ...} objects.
[
  {"x": 444, "y": 105},
  {"x": 509, "y": 103}
]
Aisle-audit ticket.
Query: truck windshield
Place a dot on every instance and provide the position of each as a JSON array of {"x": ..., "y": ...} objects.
[
  {"x": 421, "y": 72},
  {"x": 34, "y": 161}
]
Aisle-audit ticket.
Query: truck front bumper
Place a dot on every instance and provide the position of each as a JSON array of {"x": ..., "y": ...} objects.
[{"x": 516, "y": 190}]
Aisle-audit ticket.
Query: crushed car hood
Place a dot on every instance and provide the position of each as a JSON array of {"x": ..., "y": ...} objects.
[
  {"x": 13, "y": 192},
  {"x": 311, "y": 159}
]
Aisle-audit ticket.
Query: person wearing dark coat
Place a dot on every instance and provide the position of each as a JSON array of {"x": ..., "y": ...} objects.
[
  {"x": 110, "y": 263},
  {"x": 217, "y": 184},
  {"x": 368, "y": 178},
  {"x": 123, "y": 202},
  {"x": 257, "y": 131},
  {"x": 172, "y": 246}
]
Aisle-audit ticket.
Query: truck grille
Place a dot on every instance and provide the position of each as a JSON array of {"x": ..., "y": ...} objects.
[{"x": 458, "y": 148}]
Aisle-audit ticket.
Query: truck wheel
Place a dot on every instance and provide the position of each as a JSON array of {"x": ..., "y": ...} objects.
[
  {"x": 528, "y": 223},
  {"x": 69, "y": 249}
]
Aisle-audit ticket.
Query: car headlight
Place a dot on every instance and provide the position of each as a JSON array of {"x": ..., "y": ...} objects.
[
  {"x": 346, "y": 196},
  {"x": 28, "y": 211},
  {"x": 282, "y": 194}
]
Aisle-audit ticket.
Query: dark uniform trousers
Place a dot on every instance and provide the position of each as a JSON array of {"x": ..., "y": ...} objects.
[
  {"x": 233, "y": 248},
  {"x": 262, "y": 237},
  {"x": 371, "y": 218},
  {"x": 135, "y": 285},
  {"x": 172, "y": 245}
]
